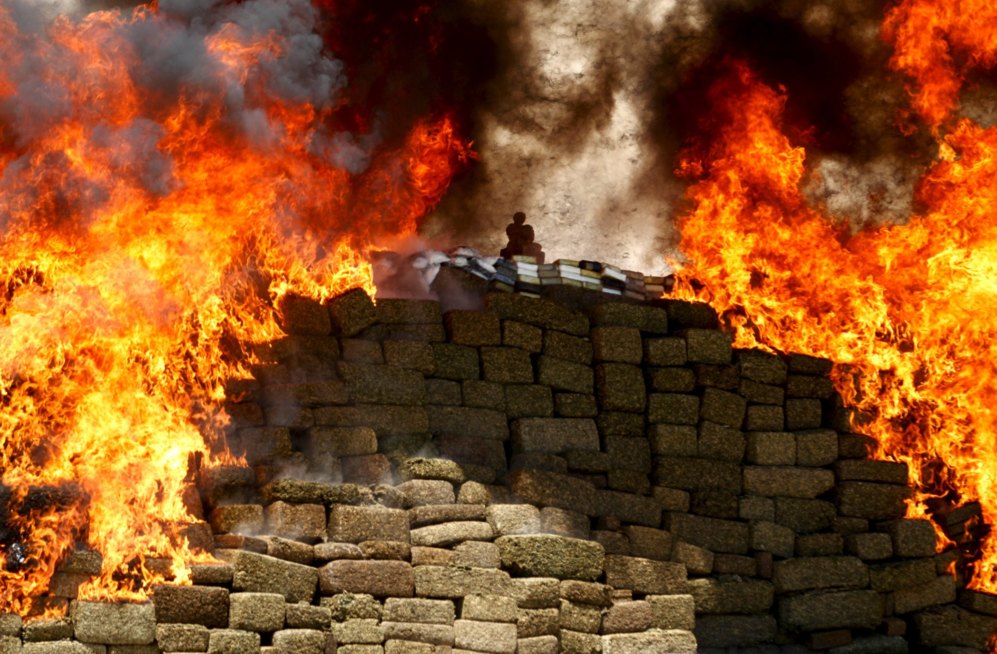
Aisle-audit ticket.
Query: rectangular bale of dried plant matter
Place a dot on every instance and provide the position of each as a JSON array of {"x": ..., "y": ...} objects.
[
  {"x": 564, "y": 375},
  {"x": 731, "y": 595},
  {"x": 813, "y": 611},
  {"x": 787, "y": 481},
  {"x": 114, "y": 624},
  {"x": 726, "y": 536},
  {"x": 693, "y": 473},
  {"x": 554, "y": 435},
  {"x": 351, "y": 312},
  {"x": 377, "y": 578},
  {"x": 862, "y": 499},
  {"x": 538, "y": 312}
]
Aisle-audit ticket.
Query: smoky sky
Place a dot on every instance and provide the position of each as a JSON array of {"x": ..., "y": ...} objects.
[{"x": 578, "y": 109}]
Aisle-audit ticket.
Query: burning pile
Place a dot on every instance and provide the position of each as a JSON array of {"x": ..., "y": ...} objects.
[
  {"x": 906, "y": 310},
  {"x": 168, "y": 175},
  {"x": 173, "y": 174}
]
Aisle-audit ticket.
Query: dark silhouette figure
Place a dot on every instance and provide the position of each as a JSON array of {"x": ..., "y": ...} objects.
[{"x": 521, "y": 239}]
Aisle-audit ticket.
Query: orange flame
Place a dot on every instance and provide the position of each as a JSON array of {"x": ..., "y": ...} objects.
[
  {"x": 906, "y": 310},
  {"x": 936, "y": 44},
  {"x": 144, "y": 234}
]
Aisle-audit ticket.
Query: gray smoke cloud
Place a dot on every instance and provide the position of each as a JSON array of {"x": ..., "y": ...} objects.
[
  {"x": 177, "y": 53},
  {"x": 32, "y": 16},
  {"x": 240, "y": 58},
  {"x": 188, "y": 8},
  {"x": 133, "y": 153}
]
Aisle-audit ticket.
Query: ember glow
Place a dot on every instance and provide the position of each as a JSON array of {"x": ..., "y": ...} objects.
[
  {"x": 907, "y": 310},
  {"x": 166, "y": 178}
]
